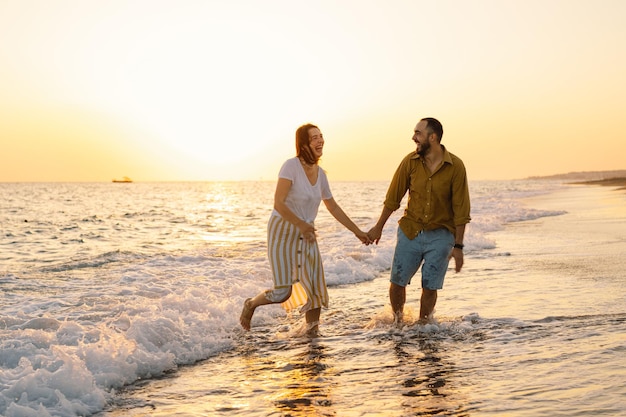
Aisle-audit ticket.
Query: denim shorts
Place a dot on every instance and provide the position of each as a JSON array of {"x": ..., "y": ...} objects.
[{"x": 430, "y": 249}]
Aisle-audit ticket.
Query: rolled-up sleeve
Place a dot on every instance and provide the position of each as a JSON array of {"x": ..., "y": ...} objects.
[
  {"x": 399, "y": 185},
  {"x": 460, "y": 194}
]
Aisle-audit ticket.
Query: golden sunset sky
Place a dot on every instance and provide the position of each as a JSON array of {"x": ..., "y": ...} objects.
[{"x": 214, "y": 90}]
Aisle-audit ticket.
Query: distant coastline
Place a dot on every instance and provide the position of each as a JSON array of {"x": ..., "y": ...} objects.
[
  {"x": 616, "y": 178},
  {"x": 619, "y": 182},
  {"x": 584, "y": 176}
]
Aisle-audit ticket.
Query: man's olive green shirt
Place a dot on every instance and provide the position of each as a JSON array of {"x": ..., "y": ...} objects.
[{"x": 436, "y": 200}]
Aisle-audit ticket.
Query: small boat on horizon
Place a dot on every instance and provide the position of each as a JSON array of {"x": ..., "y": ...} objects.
[{"x": 123, "y": 180}]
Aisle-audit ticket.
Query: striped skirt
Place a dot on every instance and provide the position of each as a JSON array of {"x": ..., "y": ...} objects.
[{"x": 296, "y": 263}]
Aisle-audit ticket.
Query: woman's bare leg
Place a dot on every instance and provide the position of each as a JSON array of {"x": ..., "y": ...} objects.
[
  {"x": 312, "y": 321},
  {"x": 249, "y": 306}
]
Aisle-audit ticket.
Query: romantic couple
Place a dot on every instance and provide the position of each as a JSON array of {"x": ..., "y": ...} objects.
[{"x": 430, "y": 232}]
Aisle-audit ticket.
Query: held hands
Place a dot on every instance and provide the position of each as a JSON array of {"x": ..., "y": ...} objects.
[
  {"x": 363, "y": 237},
  {"x": 374, "y": 234}
]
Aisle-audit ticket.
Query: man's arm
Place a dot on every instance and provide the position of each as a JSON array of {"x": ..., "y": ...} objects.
[
  {"x": 395, "y": 193},
  {"x": 457, "y": 252},
  {"x": 376, "y": 232}
]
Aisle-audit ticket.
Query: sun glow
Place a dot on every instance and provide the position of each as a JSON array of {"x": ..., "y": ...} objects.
[{"x": 211, "y": 90}]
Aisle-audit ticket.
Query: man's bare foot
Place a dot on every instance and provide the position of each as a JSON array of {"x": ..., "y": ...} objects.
[
  {"x": 398, "y": 316},
  {"x": 246, "y": 314}
]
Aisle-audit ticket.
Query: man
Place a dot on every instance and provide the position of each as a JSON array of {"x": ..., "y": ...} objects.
[{"x": 431, "y": 230}]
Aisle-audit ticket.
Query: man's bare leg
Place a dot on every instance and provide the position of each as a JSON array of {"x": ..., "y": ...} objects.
[
  {"x": 397, "y": 297},
  {"x": 427, "y": 304}
]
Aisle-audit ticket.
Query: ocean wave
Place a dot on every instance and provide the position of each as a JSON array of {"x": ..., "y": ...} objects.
[
  {"x": 64, "y": 364},
  {"x": 94, "y": 262}
]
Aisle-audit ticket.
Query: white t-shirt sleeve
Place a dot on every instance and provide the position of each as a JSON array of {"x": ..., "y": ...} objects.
[{"x": 288, "y": 170}]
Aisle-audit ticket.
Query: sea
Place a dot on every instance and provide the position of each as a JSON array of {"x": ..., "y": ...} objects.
[{"x": 122, "y": 300}]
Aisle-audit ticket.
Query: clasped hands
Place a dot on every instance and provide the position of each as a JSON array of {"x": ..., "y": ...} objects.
[{"x": 371, "y": 237}]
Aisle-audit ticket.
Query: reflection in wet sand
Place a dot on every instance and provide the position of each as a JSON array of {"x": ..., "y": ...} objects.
[
  {"x": 427, "y": 389},
  {"x": 382, "y": 371},
  {"x": 307, "y": 386},
  {"x": 293, "y": 376},
  {"x": 357, "y": 371}
]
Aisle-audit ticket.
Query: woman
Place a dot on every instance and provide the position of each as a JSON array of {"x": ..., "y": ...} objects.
[{"x": 292, "y": 246}]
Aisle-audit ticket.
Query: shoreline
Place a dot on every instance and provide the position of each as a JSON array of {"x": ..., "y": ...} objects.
[{"x": 619, "y": 182}]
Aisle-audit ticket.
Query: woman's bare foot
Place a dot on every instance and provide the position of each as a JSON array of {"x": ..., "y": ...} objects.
[
  {"x": 313, "y": 330},
  {"x": 246, "y": 314}
]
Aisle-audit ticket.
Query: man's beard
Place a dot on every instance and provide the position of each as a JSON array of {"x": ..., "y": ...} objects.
[{"x": 423, "y": 148}]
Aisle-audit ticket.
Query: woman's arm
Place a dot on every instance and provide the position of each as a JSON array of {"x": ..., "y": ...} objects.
[
  {"x": 280, "y": 196},
  {"x": 342, "y": 217}
]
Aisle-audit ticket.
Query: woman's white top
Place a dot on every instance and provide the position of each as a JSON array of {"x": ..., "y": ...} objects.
[{"x": 303, "y": 198}]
